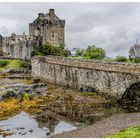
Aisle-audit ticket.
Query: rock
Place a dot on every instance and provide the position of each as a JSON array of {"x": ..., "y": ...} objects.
[
  {"x": 21, "y": 128},
  {"x": 5, "y": 134},
  {"x": 11, "y": 70},
  {"x": 8, "y": 94},
  {"x": 87, "y": 89},
  {"x": 22, "y": 133},
  {"x": 37, "y": 85},
  {"x": 48, "y": 133},
  {"x": 36, "y": 80},
  {"x": 31, "y": 130}
]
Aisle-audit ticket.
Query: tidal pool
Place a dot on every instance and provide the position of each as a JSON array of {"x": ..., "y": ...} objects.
[{"x": 23, "y": 125}]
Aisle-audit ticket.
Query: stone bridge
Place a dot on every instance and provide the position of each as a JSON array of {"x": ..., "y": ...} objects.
[{"x": 105, "y": 77}]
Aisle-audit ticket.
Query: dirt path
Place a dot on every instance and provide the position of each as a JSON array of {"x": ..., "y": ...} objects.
[{"x": 105, "y": 127}]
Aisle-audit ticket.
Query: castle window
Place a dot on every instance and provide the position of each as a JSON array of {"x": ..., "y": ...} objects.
[{"x": 53, "y": 34}]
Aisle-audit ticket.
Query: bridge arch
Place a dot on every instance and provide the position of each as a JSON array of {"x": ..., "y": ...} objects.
[{"x": 131, "y": 97}]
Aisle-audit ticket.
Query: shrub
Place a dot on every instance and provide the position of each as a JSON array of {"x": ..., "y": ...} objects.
[
  {"x": 48, "y": 49},
  {"x": 4, "y": 63},
  {"x": 92, "y": 52},
  {"x": 79, "y": 52},
  {"x": 121, "y": 59}
]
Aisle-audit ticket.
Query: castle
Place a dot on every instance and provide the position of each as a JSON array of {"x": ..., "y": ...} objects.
[{"x": 46, "y": 28}]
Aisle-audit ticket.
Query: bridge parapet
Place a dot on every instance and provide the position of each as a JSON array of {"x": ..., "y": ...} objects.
[
  {"x": 92, "y": 64},
  {"x": 106, "y": 77}
]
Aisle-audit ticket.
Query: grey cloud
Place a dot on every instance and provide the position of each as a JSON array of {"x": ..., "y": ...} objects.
[{"x": 112, "y": 26}]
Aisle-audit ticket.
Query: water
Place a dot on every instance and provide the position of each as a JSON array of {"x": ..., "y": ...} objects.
[
  {"x": 71, "y": 111},
  {"x": 24, "y": 125}
]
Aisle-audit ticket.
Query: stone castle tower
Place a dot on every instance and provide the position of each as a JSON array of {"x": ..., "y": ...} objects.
[
  {"x": 49, "y": 27},
  {"x": 46, "y": 28}
]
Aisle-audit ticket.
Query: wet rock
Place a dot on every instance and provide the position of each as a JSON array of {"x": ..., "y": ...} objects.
[
  {"x": 37, "y": 85},
  {"x": 22, "y": 133},
  {"x": 8, "y": 94},
  {"x": 31, "y": 130},
  {"x": 17, "y": 90},
  {"x": 8, "y": 129},
  {"x": 87, "y": 89},
  {"x": 36, "y": 80},
  {"x": 6, "y": 134},
  {"x": 48, "y": 133},
  {"x": 21, "y": 128}
]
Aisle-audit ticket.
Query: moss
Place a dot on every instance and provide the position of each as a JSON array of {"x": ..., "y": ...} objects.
[
  {"x": 26, "y": 96},
  {"x": 5, "y": 133},
  {"x": 9, "y": 107},
  {"x": 12, "y": 106},
  {"x": 88, "y": 93},
  {"x": 132, "y": 132}
]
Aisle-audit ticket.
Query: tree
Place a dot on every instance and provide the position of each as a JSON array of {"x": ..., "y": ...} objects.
[
  {"x": 92, "y": 52},
  {"x": 48, "y": 49},
  {"x": 79, "y": 52},
  {"x": 121, "y": 59},
  {"x": 134, "y": 53}
]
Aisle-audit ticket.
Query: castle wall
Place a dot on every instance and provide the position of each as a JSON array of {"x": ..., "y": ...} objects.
[
  {"x": 50, "y": 27},
  {"x": 110, "y": 78},
  {"x": 19, "y": 46},
  {"x": 47, "y": 28},
  {"x": 54, "y": 35}
]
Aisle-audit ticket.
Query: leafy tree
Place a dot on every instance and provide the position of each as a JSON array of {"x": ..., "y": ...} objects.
[
  {"x": 134, "y": 53},
  {"x": 121, "y": 59},
  {"x": 80, "y": 52},
  {"x": 48, "y": 49},
  {"x": 92, "y": 52}
]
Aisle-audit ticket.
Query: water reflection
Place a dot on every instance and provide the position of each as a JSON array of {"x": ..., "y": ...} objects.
[{"x": 24, "y": 125}]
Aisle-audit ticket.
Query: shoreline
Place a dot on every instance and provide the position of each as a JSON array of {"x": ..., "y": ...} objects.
[{"x": 105, "y": 127}]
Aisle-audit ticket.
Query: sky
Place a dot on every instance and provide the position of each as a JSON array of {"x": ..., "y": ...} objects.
[{"x": 111, "y": 26}]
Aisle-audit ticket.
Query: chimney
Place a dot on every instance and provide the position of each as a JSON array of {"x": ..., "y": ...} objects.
[{"x": 51, "y": 11}]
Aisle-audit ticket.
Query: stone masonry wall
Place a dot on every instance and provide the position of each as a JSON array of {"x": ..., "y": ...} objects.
[
  {"x": 20, "y": 46},
  {"x": 110, "y": 78}
]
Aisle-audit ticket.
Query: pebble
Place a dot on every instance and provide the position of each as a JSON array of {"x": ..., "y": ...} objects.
[
  {"x": 21, "y": 128},
  {"x": 48, "y": 133},
  {"x": 31, "y": 130}
]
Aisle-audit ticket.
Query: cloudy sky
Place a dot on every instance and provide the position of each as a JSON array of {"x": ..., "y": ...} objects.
[{"x": 112, "y": 26}]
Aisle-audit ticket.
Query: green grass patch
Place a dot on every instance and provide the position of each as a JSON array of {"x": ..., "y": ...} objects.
[
  {"x": 14, "y": 64},
  {"x": 132, "y": 132},
  {"x": 88, "y": 93},
  {"x": 17, "y": 64}
]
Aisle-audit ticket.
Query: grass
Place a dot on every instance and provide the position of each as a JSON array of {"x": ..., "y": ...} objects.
[
  {"x": 88, "y": 93},
  {"x": 14, "y": 64},
  {"x": 132, "y": 132}
]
